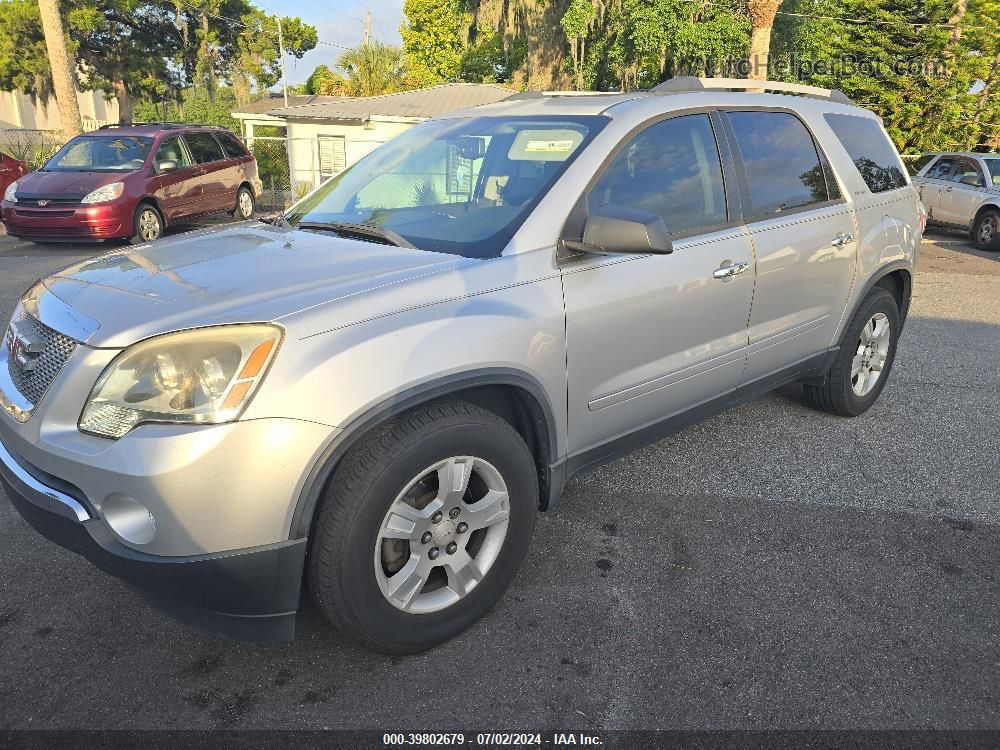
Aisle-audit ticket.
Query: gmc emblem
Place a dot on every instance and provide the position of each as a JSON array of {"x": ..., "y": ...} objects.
[{"x": 23, "y": 348}]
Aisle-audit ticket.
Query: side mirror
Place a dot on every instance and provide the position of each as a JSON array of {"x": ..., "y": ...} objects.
[
  {"x": 620, "y": 230},
  {"x": 168, "y": 165},
  {"x": 971, "y": 180}
]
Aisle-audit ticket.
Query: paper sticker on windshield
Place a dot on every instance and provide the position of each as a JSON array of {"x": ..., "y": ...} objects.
[
  {"x": 549, "y": 146},
  {"x": 544, "y": 144}
]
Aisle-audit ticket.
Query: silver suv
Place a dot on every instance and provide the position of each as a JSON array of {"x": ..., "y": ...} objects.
[
  {"x": 379, "y": 390},
  {"x": 962, "y": 191}
]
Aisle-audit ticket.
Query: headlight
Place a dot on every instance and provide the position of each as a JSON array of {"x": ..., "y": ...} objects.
[
  {"x": 105, "y": 194},
  {"x": 8, "y": 194},
  {"x": 202, "y": 376}
]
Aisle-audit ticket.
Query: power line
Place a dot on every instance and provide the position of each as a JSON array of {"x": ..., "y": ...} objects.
[{"x": 248, "y": 26}]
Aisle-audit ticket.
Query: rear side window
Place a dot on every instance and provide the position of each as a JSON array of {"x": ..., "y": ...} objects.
[
  {"x": 871, "y": 150},
  {"x": 671, "y": 169},
  {"x": 965, "y": 171},
  {"x": 993, "y": 165},
  {"x": 783, "y": 167},
  {"x": 234, "y": 149},
  {"x": 204, "y": 148}
]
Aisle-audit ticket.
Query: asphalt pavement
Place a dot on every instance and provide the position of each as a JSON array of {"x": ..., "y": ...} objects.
[{"x": 770, "y": 568}]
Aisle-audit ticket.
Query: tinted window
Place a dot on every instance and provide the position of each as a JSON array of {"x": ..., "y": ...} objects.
[
  {"x": 782, "y": 164},
  {"x": 871, "y": 150},
  {"x": 941, "y": 168},
  {"x": 171, "y": 150},
  {"x": 966, "y": 168},
  {"x": 204, "y": 147},
  {"x": 231, "y": 144},
  {"x": 671, "y": 169}
]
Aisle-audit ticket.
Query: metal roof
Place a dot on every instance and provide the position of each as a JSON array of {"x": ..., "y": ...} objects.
[{"x": 419, "y": 103}]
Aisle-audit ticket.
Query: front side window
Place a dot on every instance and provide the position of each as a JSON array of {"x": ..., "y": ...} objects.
[
  {"x": 967, "y": 172},
  {"x": 460, "y": 186},
  {"x": 171, "y": 149},
  {"x": 204, "y": 148},
  {"x": 942, "y": 168},
  {"x": 871, "y": 151},
  {"x": 782, "y": 164},
  {"x": 101, "y": 153},
  {"x": 993, "y": 166},
  {"x": 671, "y": 169}
]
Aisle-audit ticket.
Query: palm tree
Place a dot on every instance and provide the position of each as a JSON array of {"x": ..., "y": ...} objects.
[
  {"x": 762, "y": 13},
  {"x": 63, "y": 79},
  {"x": 373, "y": 69}
]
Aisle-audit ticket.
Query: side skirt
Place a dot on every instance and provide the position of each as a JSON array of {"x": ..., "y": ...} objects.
[{"x": 813, "y": 368}]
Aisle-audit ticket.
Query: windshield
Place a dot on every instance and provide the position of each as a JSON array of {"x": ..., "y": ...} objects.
[
  {"x": 459, "y": 186},
  {"x": 994, "y": 166},
  {"x": 101, "y": 153}
]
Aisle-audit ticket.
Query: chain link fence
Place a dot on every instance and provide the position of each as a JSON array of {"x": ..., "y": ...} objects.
[{"x": 34, "y": 147}]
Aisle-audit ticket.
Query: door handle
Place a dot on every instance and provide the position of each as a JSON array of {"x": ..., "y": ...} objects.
[
  {"x": 842, "y": 239},
  {"x": 729, "y": 269}
]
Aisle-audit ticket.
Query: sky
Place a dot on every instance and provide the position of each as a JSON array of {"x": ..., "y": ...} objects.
[{"x": 338, "y": 22}]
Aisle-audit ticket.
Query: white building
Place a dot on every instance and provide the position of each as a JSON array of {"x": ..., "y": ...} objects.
[
  {"x": 18, "y": 111},
  {"x": 327, "y": 133}
]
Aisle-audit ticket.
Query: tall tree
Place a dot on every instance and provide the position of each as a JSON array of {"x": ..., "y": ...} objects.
[
  {"x": 434, "y": 36},
  {"x": 62, "y": 66},
  {"x": 576, "y": 22},
  {"x": 373, "y": 69},
  {"x": 762, "y": 15}
]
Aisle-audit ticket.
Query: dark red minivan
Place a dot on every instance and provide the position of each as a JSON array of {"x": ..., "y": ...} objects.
[
  {"x": 132, "y": 181},
  {"x": 10, "y": 170}
]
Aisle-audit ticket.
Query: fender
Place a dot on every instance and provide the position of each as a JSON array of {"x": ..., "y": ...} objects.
[
  {"x": 882, "y": 272},
  {"x": 542, "y": 416}
]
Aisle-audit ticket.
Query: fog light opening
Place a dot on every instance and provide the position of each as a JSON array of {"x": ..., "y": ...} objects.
[{"x": 129, "y": 519}]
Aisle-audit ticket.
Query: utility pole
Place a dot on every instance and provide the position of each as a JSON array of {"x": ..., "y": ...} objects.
[
  {"x": 281, "y": 52},
  {"x": 368, "y": 28}
]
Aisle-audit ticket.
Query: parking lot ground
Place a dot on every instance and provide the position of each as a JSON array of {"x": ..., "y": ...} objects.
[{"x": 770, "y": 568}]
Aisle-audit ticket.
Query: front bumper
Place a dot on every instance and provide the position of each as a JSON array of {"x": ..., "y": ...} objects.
[
  {"x": 247, "y": 593},
  {"x": 68, "y": 223}
]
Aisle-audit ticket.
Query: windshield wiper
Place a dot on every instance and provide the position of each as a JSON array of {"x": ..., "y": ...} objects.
[{"x": 360, "y": 231}]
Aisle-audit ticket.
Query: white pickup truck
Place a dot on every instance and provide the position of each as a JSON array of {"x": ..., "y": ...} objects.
[{"x": 963, "y": 191}]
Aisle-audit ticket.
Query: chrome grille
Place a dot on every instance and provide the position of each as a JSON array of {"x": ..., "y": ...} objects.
[{"x": 32, "y": 372}]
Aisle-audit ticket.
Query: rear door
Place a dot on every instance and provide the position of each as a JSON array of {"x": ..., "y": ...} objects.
[
  {"x": 650, "y": 336},
  {"x": 959, "y": 200},
  {"x": 214, "y": 166},
  {"x": 177, "y": 192},
  {"x": 803, "y": 234}
]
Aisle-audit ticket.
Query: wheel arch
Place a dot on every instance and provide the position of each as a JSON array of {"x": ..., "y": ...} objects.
[
  {"x": 151, "y": 201},
  {"x": 980, "y": 211},
  {"x": 513, "y": 395},
  {"x": 897, "y": 279}
]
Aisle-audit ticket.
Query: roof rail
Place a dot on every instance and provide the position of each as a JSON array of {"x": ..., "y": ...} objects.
[
  {"x": 164, "y": 125},
  {"x": 692, "y": 83},
  {"x": 548, "y": 94}
]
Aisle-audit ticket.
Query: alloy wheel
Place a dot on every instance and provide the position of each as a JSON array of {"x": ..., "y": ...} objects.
[
  {"x": 149, "y": 225},
  {"x": 245, "y": 204},
  {"x": 987, "y": 230},
  {"x": 442, "y": 534},
  {"x": 871, "y": 355}
]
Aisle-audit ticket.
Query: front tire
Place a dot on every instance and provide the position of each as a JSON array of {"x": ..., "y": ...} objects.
[
  {"x": 862, "y": 366},
  {"x": 986, "y": 232},
  {"x": 423, "y": 527},
  {"x": 148, "y": 225}
]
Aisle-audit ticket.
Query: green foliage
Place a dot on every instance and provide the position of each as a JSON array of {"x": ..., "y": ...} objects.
[
  {"x": 325, "y": 82},
  {"x": 373, "y": 69},
  {"x": 195, "y": 106},
  {"x": 489, "y": 61},
  {"x": 23, "y": 59},
  {"x": 577, "y": 18},
  {"x": 433, "y": 39}
]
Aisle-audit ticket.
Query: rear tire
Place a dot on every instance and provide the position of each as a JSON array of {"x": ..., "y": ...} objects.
[
  {"x": 377, "y": 522},
  {"x": 863, "y": 364},
  {"x": 245, "y": 204},
  {"x": 986, "y": 232},
  {"x": 148, "y": 225}
]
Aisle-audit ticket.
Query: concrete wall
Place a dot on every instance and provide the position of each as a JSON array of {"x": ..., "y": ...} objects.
[
  {"x": 18, "y": 110},
  {"x": 359, "y": 139}
]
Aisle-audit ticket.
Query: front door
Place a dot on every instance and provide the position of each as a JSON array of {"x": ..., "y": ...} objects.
[
  {"x": 933, "y": 184},
  {"x": 804, "y": 237},
  {"x": 961, "y": 197},
  {"x": 649, "y": 336}
]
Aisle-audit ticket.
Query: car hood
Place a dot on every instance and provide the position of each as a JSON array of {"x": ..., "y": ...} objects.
[
  {"x": 248, "y": 273},
  {"x": 64, "y": 184}
]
